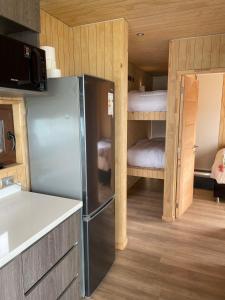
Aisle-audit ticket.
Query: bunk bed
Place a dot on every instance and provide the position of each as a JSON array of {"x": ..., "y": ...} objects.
[
  {"x": 147, "y": 105},
  {"x": 146, "y": 157}
]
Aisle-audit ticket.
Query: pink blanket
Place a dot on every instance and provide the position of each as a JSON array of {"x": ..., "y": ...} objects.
[{"x": 218, "y": 168}]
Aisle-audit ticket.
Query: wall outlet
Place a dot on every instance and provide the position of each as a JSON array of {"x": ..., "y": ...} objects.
[{"x": 6, "y": 181}]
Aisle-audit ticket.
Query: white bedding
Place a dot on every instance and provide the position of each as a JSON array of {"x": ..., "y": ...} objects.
[
  {"x": 147, "y": 101},
  {"x": 104, "y": 154},
  {"x": 147, "y": 153}
]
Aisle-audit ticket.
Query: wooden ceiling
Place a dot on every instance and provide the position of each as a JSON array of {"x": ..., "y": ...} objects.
[{"x": 159, "y": 20}]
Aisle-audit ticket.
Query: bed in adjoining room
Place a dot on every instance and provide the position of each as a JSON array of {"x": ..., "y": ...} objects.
[{"x": 218, "y": 174}]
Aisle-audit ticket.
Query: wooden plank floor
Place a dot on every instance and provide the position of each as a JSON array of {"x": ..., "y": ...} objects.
[{"x": 180, "y": 261}]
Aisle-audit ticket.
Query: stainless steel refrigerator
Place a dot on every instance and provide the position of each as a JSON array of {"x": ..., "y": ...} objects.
[{"x": 71, "y": 153}]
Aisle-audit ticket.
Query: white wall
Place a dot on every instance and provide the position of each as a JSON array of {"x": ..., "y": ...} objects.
[
  {"x": 159, "y": 82},
  {"x": 156, "y": 129},
  {"x": 208, "y": 119}
]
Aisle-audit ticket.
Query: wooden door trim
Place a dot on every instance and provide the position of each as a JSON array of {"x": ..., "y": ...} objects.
[
  {"x": 221, "y": 137},
  {"x": 179, "y": 99},
  {"x": 180, "y": 128}
]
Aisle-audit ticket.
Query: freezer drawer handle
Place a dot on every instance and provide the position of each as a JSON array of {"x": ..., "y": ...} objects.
[{"x": 90, "y": 217}]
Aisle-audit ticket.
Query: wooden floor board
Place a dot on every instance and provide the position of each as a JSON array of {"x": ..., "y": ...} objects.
[{"x": 180, "y": 261}]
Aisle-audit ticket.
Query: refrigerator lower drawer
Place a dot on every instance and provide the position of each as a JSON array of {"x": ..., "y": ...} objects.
[{"x": 99, "y": 246}]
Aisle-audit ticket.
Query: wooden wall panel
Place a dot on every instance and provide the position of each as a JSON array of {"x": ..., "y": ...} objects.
[
  {"x": 185, "y": 55},
  {"x": 160, "y": 21},
  {"x": 139, "y": 77},
  {"x": 99, "y": 49},
  {"x": 109, "y": 50},
  {"x": 136, "y": 130},
  {"x": 76, "y": 49},
  {"x": 146, "y": 172},
  {"x": 92, "y": 50},
  {"x": 153, "y": 115},
  {"x": 59, "y": 35},
  {"x": 120, "y": 74},
  {"x": 221, "y": 141}
]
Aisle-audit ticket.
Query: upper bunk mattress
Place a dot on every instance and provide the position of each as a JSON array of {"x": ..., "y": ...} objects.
[
  {"x": 147, "y": 153},
  {"x": 147, "y": 101}
]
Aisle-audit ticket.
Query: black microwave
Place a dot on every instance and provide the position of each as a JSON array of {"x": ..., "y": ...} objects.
[{"x": 22, "y": 66}]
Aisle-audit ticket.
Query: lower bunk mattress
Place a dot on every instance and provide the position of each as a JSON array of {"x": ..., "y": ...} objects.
[{"x": 147, "y": 153}]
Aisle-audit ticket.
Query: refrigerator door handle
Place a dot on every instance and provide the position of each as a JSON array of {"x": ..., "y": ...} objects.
[{"x": 90, "y": 217}]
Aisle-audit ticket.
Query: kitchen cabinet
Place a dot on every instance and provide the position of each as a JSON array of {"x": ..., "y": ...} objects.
[
  {"x": 48, "y": 269},
  {"x": 11, "y": 281},
  {"x": 23, "y": 12},
  {"x": 56, "y": 281},
  {"x": 72, "y": 292},
  {"x": 43, "y": 255}
]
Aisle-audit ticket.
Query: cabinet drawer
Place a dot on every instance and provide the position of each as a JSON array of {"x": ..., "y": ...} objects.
[
  {"x": 43, "y": 255},
  {"x": 57, "y": 279},
  {"x": 11, "y": 282},
  {"x": 73, "y": 291}
]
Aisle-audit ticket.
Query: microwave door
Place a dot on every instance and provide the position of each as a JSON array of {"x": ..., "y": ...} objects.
[
  {"x": 35, "y": 68},
  {"x": 15, "y": 65},
  {"x": 20, "y": 74}
]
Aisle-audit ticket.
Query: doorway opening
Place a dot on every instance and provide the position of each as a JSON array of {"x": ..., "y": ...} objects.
[{"x": 201, "y": 136}]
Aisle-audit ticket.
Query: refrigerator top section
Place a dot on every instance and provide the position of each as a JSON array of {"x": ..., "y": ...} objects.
[
  {"x": 81, "y": 77},
  {"x": 71, "y": 140},
  {"x": 54, "y": 139},
  {"x": 97, "y": 142},
  {"x": 85, "y": 76}
]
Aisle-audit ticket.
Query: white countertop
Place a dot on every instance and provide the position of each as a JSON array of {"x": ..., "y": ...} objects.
[{"x": 25, "y": 217}]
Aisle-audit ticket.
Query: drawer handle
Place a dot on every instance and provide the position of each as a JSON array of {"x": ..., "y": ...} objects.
[{"x": 66, "y": 289}]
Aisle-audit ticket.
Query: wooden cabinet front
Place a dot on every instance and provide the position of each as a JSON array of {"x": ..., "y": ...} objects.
[
  {"x": 57, "y": 279},
  {"x": 43, "y": 255},
  {"x": 49, "y": 269},
  {"x": 72, "y": 293},
  {"x": 23, "y": 12},
  {"x": 11, "y": 281}
]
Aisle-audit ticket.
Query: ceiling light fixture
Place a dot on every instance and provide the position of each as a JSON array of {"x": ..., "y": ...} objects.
[{"x": 140, "y": 34}]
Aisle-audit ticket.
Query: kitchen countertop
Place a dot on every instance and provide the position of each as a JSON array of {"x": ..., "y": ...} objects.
[{"x": 25, "y": 217}]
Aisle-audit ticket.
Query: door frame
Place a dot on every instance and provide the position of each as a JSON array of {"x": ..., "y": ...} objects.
[{"x": 179, "y": 110}]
